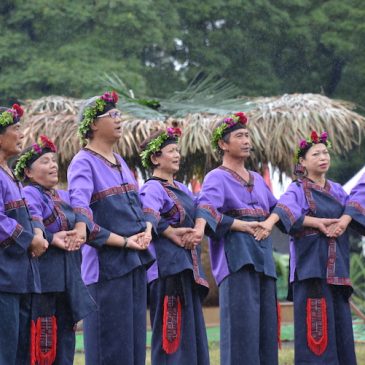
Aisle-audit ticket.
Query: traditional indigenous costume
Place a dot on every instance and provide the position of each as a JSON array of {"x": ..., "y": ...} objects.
[
  {"x": 177, "y": 282},
  {"x": 243, "y": 268},
  {"x": 319, "y": 271},
  {"x": 65, "y": 299},
  {"x": 19, "y": 274},
  {"x": 105, "y": 197}
]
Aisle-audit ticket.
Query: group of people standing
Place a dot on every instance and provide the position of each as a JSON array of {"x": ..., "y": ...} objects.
[{"x": 92, "y": 251}]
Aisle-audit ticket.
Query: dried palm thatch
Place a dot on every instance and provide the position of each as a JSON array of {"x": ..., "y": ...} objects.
[{"x": 276, "y": 125}]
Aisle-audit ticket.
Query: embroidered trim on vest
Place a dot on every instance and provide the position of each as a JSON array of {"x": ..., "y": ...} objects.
[
  {"x": 115, "y": 190},
  {"x": 249, "y": 185},
  {"x": 11, "y": 240},
  {"x": 16, "y": 204},
  {"x": 257, "y": 212},
  {"x": 212, "y": 211},
  {"x": 57, "y": 211},
  {"x": 151, "y": 211},
  {"x": 287, "y": 211},
  {"x": 198, "y": 279},
  {"x": 37, "y": 219}
]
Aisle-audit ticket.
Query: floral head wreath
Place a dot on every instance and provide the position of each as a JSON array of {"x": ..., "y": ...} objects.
[
  {"x": 91, "y": 112},
  {"x": 306, "y": 144},
  {"x": 43, "y": 145},
  {"x": 11, "y": 116},
  {"x": 156, "y": 144},
  {"x": 228, "y": 123}
]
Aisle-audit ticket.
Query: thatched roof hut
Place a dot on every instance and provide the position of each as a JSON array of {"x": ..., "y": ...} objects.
[{"x": 276, "y": 125}]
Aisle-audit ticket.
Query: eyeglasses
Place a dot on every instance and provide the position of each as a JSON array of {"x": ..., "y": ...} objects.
[{"x": 114, "y": 115}]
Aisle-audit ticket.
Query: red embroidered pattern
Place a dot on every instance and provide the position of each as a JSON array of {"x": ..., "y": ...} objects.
[
  {"x": 287, "y": 211},
  {"x": 249, "y": 185},
  {"x": 212, "y": 211},
  {"x": 357, "y": 206},
  {"x": 84, "y": 212},
  {"x": 115, "y": 190},
  {"x": 152, "y": 212},
  {"x": 171, "y": 212},
  {"x": 174, "y": 198},
  {"x": 317, "y": 336},
  {"x": 11, "y": 240},
  {"x": 14, "y": 205},
  {"x": 94, "y": 232},
  {"x": 258, "y": 212}
]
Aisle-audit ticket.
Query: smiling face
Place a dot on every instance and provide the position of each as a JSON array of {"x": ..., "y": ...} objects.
[
  {"x": 108, "y": 127},
  {"x": 237, "y": 144},
  {"x": 11, "y": 141},
  {"x": 317, "y": 160},
  {"x": 168, "y": 160},
  {"x": 44, "y": 171}
]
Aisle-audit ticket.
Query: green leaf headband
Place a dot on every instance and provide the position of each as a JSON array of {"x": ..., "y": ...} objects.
[
  {"x": 227, "y": 123},
  {"x": 91, "y": 112},
  {"x": 11, "y": 116},
  {"x": 43, "y": 145},
  {"x": 155, "y": 145}
]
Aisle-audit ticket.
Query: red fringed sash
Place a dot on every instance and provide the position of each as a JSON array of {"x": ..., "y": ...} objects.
[
  {"x": 278, "y": 308},
  {"x": 171, "y": 325},
  {"x": 317, "y": 336},
  {"x": 43, "y": 341}
]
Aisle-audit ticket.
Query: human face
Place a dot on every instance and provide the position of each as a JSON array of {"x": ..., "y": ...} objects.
[
  {"x": 169, "y": 160},
  {"x": 11, "y": 141},
  {"x": 238, "y": 144},
  {"x": 317, "y": 160},
  {"x": 108, "y": 126},
  {"x": 44, "y": 171}
]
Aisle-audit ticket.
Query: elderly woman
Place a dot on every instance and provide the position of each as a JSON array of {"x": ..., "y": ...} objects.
[
  {"x": 65, "y": 299},
  {"x": 104, "y": 194},
  {"x": 232, "y": 200},
  {"x": 177, "y": 283},
  {"x": 19, "y": 274},
  {"x": 313, "y": 211}
]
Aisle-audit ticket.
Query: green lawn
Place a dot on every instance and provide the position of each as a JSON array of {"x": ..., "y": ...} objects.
[{"x": 286, "y": 355}]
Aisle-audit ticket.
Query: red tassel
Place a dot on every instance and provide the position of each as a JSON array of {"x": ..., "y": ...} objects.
[
  {"x": 278, "y": 308},
  {"x": 317, "y": 336},
  {"x": 171, "y": 325},
  {"x": 45, "y": 340},
  {"x": 33, "y": 334}
]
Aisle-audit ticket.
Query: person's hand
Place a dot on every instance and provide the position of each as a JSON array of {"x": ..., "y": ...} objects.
[
  {"x": 323, "y": 224},
  {"x": 248, "y": 227},
  {"x": 192, "y": 239},
  {"x": 80, "y": 228},
  {"x": 147, "y": 238},
  {"x": 136, "y": 242},
  {"x": 66, "y": 240},
  {"x": 337, "y": 229},
  {"x": 263, "y": 230},
  {"x": 176, "y": 235},
  {"x": 38, "y": 246}
]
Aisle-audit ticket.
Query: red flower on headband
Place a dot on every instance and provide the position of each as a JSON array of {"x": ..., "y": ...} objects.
[
  {"x": 174, "y": 132},
  {"x": 314, "y": 137},
  {"x": 47, "y": 143},
  {"x": 242, "y": 117},
  {"x": 19, "y": 110},
  {"x": 115, "y": 97}
]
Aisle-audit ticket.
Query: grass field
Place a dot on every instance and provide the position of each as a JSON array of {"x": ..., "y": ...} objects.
[{"x": 286, "y": 355}]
